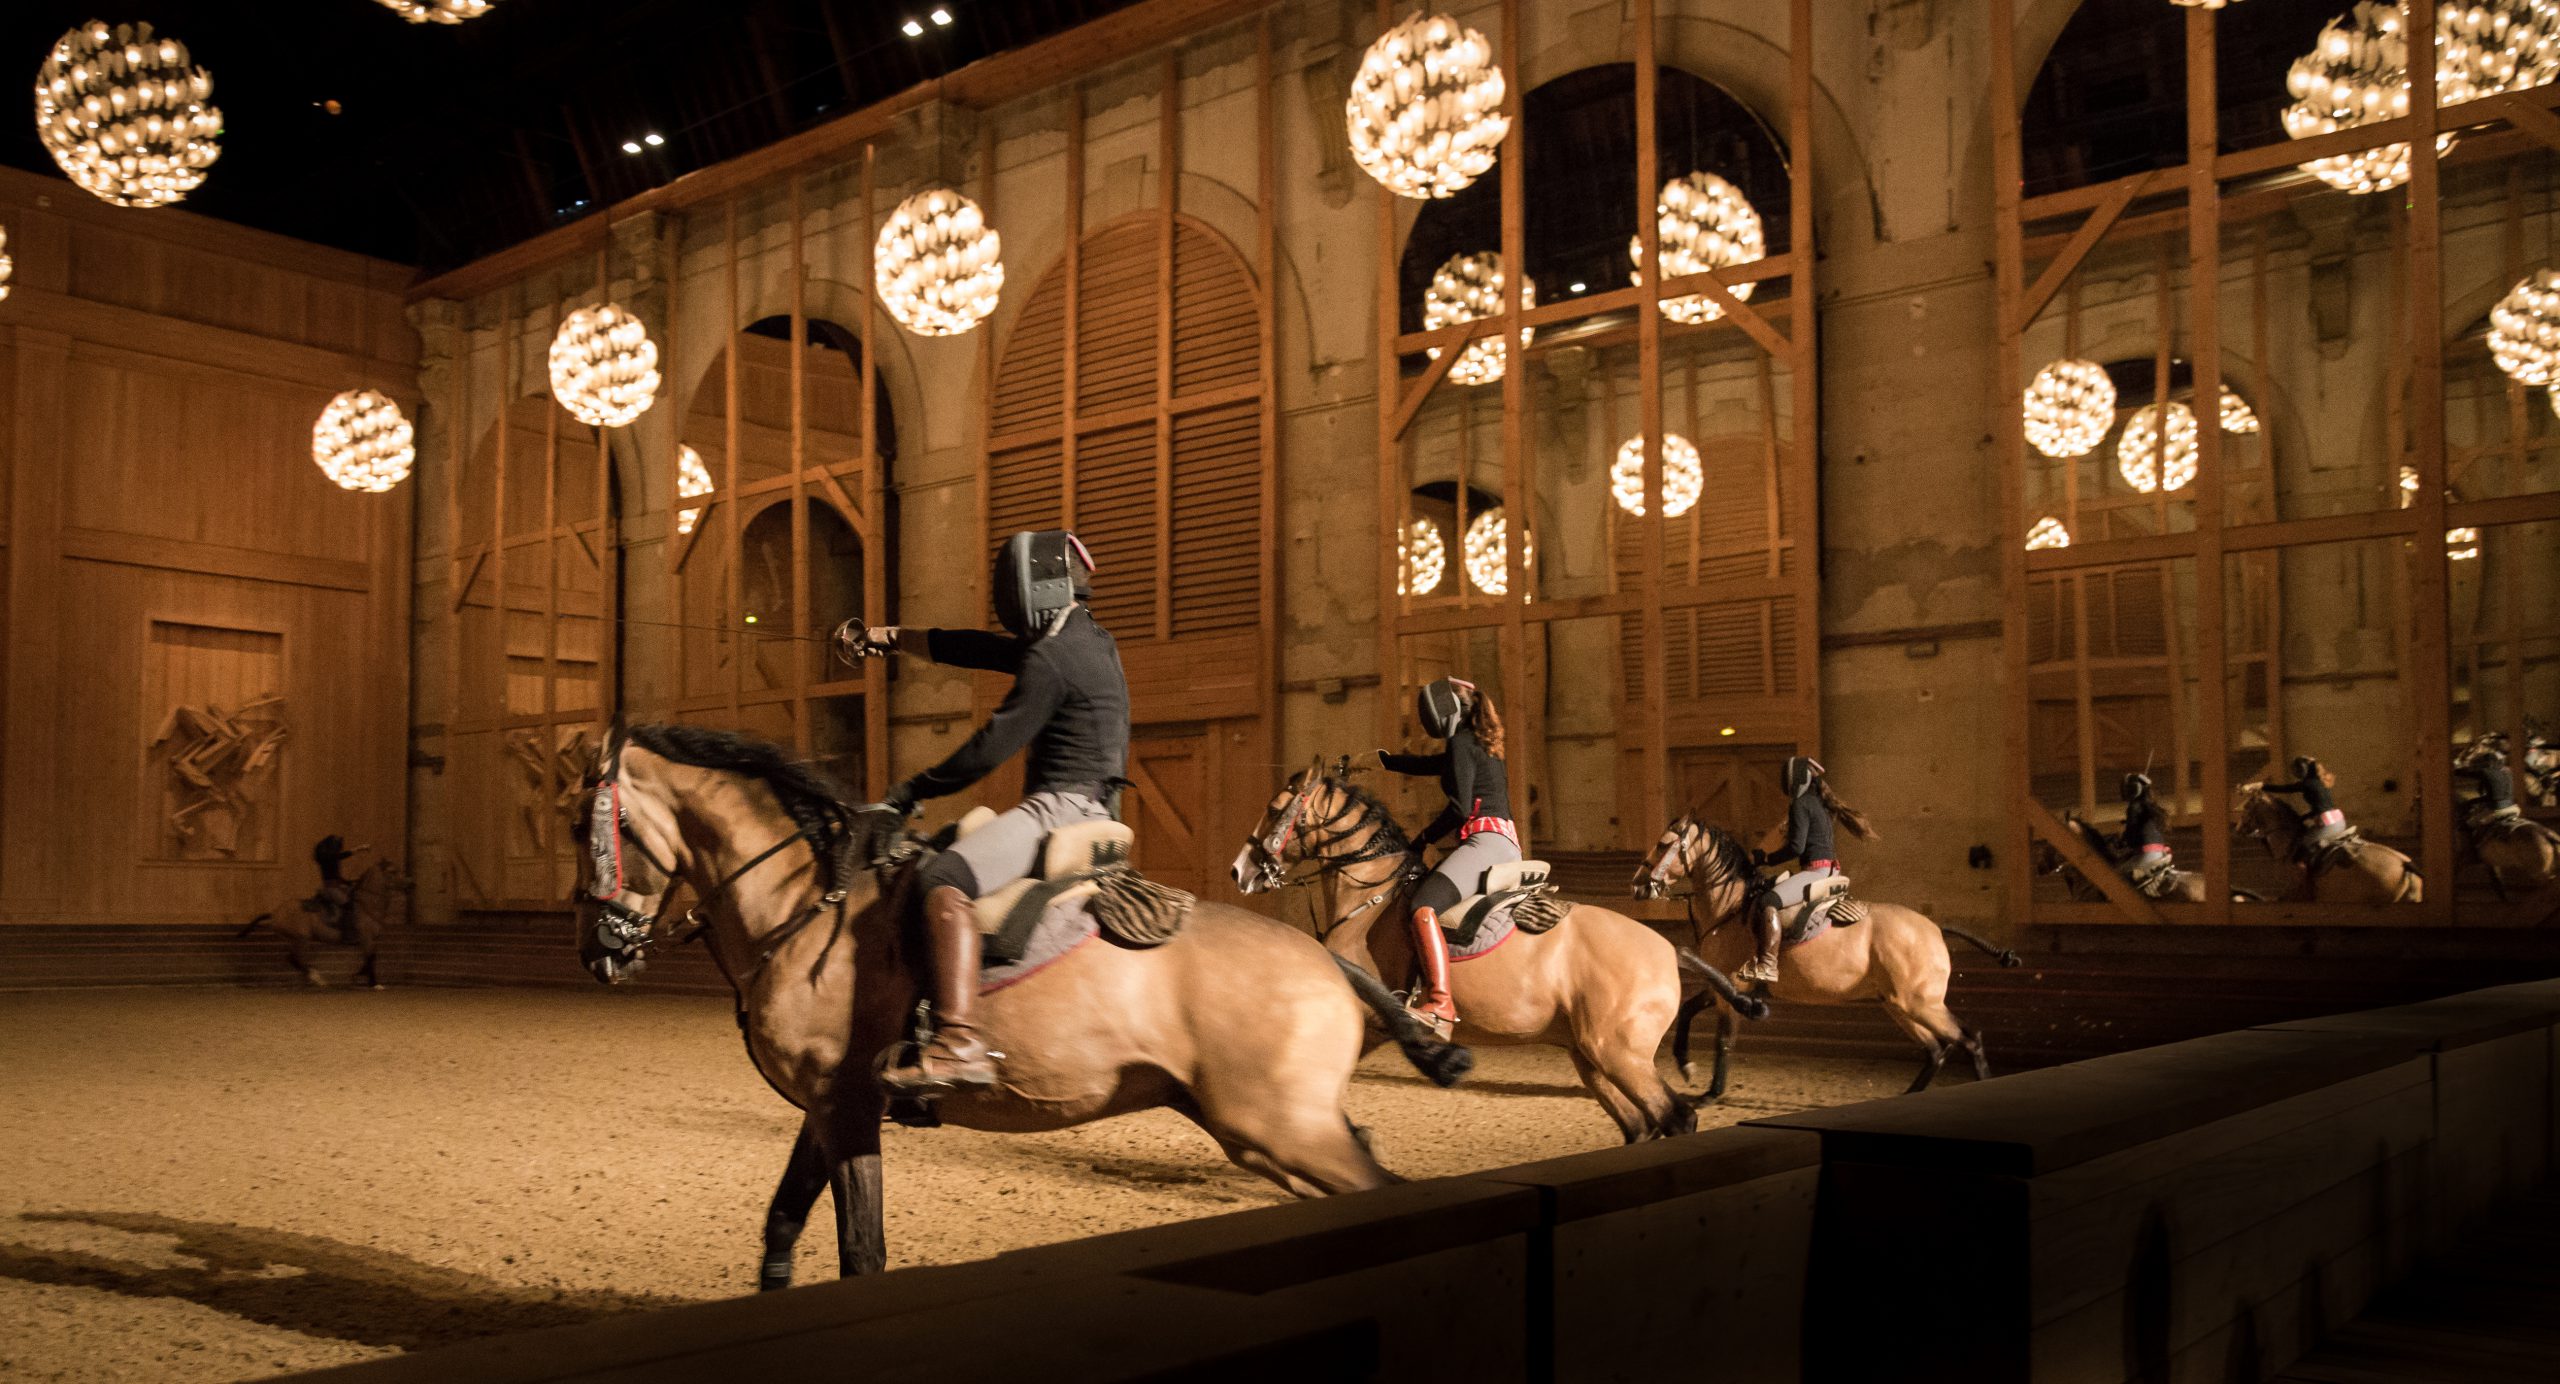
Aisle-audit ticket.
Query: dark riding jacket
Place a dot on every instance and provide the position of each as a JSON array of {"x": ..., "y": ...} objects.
[
  {"x": 2317, "y": 801},
  {"x": 1069, "y": 703},
  {"x": 1473, "y": 779},
  {"x": 1809, "y": 832},
  {"x": 2144, "y": 825},
  {"x": 2497, "y": 784}
]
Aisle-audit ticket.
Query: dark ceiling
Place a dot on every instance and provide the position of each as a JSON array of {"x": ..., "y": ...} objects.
[{"x": 451, "y": 142}]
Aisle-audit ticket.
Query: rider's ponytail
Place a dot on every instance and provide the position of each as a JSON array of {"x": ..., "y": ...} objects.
[
  {"x": 1847, "y": 816},
  {"x": 1488, "y": 725}
]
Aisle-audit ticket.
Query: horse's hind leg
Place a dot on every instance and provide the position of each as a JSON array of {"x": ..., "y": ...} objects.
[
  {"x": 1690, "y": 1008},
  {"x": 1309, "y": 1155},
  {"x": 1933, "y": 1049},
  {"x": 1632, "y": 1120},
  {"x": 1726, "y": 1022},
  {"x": 1973, "y": 1046},
  {"x": 299, "y": 948},
  {"x": 803, "y": 1177}
]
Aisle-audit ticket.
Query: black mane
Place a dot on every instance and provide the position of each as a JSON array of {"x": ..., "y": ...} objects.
[
  {"x": 1728, "y": 849},
  {"x": 818, "y": 805},
  {"x": 1390, "y": 831}
]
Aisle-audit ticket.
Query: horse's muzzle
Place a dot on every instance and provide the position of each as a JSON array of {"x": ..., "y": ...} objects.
[{"x": 1648, "y": 888}]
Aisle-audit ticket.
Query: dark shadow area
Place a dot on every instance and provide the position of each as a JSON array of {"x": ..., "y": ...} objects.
[{"x": 306, "y": 1284}]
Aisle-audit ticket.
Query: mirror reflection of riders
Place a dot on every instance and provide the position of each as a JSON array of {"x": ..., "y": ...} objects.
[
  {"x": 2321, "y": 818},
  {"x": 337, "y": 893},
  {"x": 1069, "y": 705},
  {"x": 2493, "y": 786},
  {"x": 1478, "y": 811},
  {"x": 1813, "y": 815},
  {"x": 2143, "y": 845}
]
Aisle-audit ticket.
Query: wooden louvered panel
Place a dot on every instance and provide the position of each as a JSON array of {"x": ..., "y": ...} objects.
[
  {"x": 1030, "y": 389},
  {"x": 1782, "y": 644},
  {"x": 2140, "y": 623},
  {"x": 2051, "y": 626},
  {"x": 1217, "y": 514},
  {"x": 1116, "y": 318},
  {"x": 1024, "y": 491},
  {"x": 1731, "y": 650},
  {"x": 1116, "y": 518},
  {"x": 1217, "y": 332}
]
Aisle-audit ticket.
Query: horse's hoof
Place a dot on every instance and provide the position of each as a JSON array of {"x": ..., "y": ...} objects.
[
  {"x": 1688, "y": 1071},
  {"x": 774, "y": 1276}
]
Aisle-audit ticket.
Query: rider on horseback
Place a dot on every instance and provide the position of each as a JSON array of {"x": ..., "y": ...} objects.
[
  {"x": 1812, "y": 815},
  {"x": 1070, "y": 705},
  {"x": 2485, "y": 768},
  {"x": 334, "y": 905},
  {"x": 1469, "y": 767},
  {"x": 2142, "y": 847},
  {"x": 2322, "y": 822}
]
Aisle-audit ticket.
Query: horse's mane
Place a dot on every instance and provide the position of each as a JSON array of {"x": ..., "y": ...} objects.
[
  {"x": 1727, "y": 849},
  {"x": 817, "y": 804},
  {"x": 1390, "y": 831}
]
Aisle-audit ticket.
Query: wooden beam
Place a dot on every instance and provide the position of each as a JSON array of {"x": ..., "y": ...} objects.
[
  {"x": 2073, "y": 251},
  {"x": 2054, "y": 830},
  {"x": 99, "y": 327},
  {"x": 2428, "y": 679},
  {"x": 180, "y": 555},
  {"x": 2204, "y": 327},
  {"x": 2529, "y": 117},
  {"x": 2017, "y": 855},
  {"x": 1392, "y": 486},
  {"x": 1419, "y": 392},
  {"x": 1591, "y": 305}
]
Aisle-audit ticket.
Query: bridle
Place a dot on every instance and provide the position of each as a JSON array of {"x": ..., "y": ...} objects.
[
  {"x": 623, "y": 935},
  {"x": 1270, "y": 849},
  {"x": 1653, "y": 879}
]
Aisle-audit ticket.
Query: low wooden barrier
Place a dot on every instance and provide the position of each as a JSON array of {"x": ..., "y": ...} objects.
[{"x": 2205, "y": 1209}]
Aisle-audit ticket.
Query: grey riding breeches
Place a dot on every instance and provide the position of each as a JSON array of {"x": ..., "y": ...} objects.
[
  {"x": 1008, "y": 848},
  {"x": 1461, "y": 872}
]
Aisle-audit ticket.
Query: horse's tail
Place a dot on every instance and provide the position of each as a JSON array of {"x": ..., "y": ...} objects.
[
  {"x": 2005, "y": 956},
  {"x": 1697, "y": 978},
  {"x": 1446, "y": 1064},
  {"x": 2247, "y": 896},
  {"x": 252, "y": 925}
]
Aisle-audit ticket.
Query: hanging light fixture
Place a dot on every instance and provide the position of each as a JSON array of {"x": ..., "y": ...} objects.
[
  {"x": 438, "y": 11},
  {"x": 1702, "y": 223},
  {"x": 2237, "y": 416},
  {"x": 2408, "y": 486},
  {"x": 2048, "y": 533},
  {"x": 1683, "y": 477},
  {"x": 1488, "y": 552},
  {"x": 604, "y": 367},
  {"x": 1425, "y": 115},
  {"x": 7, "y": 266},
  {"x": 2462, "y": 544},
  {"x": 2070, "y": 404},
  {"x": 1465, "y": 289},
  {"x": 363, "y": 442},
  {"x": 2484, "y": 47},
  {"x": 2524, "y": 329},
  {"x": 2358, "y": 74},
  {"x": 2139, "y": 451},
  {"x": 125, "y": 116},
  {"x": 693, "y": 481},
  {"x": 938, "y": 266},
  {"x": 1422, "y": 560}
]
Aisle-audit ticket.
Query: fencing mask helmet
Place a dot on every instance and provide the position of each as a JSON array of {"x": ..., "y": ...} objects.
[
  {"x": 2137, "y": 787},
  {"x": 1802, "y": 770},
  {"x": 2305, "y": 767},
  {"x": 1441, "y": 706},
  {"x": 1038, "y": 575}
]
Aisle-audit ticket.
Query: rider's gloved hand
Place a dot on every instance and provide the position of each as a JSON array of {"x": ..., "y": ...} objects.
[
  {"x": 856, "y": 641},
  {"x": 901, "y": 800}
]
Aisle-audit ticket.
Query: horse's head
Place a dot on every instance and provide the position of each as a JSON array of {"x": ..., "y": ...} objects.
[
  {"x": 1668, "y": 862},
  {"x": 1320, "y": 819},
  {"x": 630, "y": 855},
  {"x": 2048, "y": 858},
  {"x": 2262, "y": 817}
]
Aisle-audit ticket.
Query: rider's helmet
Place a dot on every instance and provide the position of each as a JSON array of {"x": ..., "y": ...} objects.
[
  {"x": 2305, "y": 767},
  {"x": 2137, "y": 787},
  {"x": 2487, "y": 753},
  {"x": 1442, "y": 706},
  {"x": 1038, "y": 575},
  {"x": 1802, "y": 771}
]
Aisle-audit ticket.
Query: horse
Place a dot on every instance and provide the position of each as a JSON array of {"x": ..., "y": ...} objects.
[
  {"x": 1600, "y": 985},
  {"x": 2369, "y": 873},
  {"x": 2187, "y": 886},
  {"x": 1238, "y": 1022},
  {"x": 2524, "y": 855},
  {"x": 1896, "y": 956},
  {"x": 369, "y": 906}
]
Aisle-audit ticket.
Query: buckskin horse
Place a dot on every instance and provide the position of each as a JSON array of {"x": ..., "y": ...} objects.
[
  {"x": 376, "y": 892},
  {"x": 1240, "y": 1023},
  {"x": 2187, "y": 886},
  {"x": 1896, "y": 956},
  {"x": 1599, "y": 984},
  {"x": 2363, "y": 872}
]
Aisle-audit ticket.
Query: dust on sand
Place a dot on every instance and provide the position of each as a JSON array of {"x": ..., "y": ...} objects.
[{"x": 216, "y": 1184}]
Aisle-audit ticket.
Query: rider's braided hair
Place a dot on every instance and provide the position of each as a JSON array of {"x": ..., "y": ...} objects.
[{"x": 817, "y": 804}]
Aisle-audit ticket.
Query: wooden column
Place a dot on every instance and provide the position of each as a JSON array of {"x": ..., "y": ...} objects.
[
  {"x": 2204, "y": 319},
  {"x": 1656, "y": 699},
  {"x": 1519, "y": 508},
  {"x": 1073, "y": 328},
  {"x": 1168, "y": 195},
  {"x": 799, "y": 648},
  {"x": 1391, "y": 479},
  {"x": 1804, "y": 509},
  {"x": 2016, "y": 854},
  {"x": 735, "y": 630},
  {"x": 1266, "y": 272},
  {"x": 2426, "y": 677},
  {"x": 875, "y": 480}
]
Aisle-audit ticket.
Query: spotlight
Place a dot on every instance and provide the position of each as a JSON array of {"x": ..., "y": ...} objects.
[
  {"x": 631, "y": 146},
  {"x": 911, "y": 29},
  {"x": 1578, "y": 286},
  {"x": 941, "y": 16},
  {"x": 653, "y": 139}
]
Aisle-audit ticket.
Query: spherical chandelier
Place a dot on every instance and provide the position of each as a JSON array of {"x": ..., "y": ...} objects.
[
  {"x": 2138, "y": 451},
  {"x": 2462, "y": 544},
  {"x": 1425, "y": 114},
  {"x": 2048, "y": 533},
  {"x": 1488, "y": 552},
  {"x": 2358, "y": 74},
  {"x": 1703, "y": 223},
  {"x": 1422, "y": 559},
  {"x": 938, "y": 265},
  {"x": 125, "y": 116},
  {"x": 604, "y": 367},
  {"x": 1465, "y": 289},
  {"x": 2484, "y": 47},
  {"x": 2524, "y": 329},
  {"x": 1683, "y": 477},
  {"x": 2069, "y": 407},
  {"x": 363, "y": 442},
  {"x": 2237, "y": 416},
  {"x": 7, "y": 266},
  {"x": 693, "y": 480},
  {"x": 438, "y": 11}
]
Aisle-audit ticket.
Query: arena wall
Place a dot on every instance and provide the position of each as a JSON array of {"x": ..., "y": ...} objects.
[
  {"x": 2206, "y": 1209},
  {"x": 170, "y": 545}
]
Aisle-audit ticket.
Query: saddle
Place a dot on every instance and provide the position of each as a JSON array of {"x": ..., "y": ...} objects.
[
  {"x": 2322, "y": 853},
  {"x": 1517, "y": 889},
  {"x": 1826, "y": 904},
  {"x": 2153, "y": 877},
  {"x": 334, "y": 911},
  {"x": 1072, "y": 861}
]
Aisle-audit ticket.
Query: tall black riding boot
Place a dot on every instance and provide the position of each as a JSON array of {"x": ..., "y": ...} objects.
[{"x": 956, "y": 1057}]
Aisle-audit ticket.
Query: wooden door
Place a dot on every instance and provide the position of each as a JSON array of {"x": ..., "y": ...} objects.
[
  {"x": 1167, "y": 805},
  {"x": 1741, "y": 789}
]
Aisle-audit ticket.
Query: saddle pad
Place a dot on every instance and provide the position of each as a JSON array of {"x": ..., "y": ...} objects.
[
  {"x": 1806, "y": 921},
  {"x": 1066, "y": 926},
  {"x": 1491, "y": 931}
]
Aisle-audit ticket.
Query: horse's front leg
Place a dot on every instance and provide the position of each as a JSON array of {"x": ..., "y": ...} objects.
[
  {"x": 850, "y": 1140},
  {"x": 802, "y": 1179}
]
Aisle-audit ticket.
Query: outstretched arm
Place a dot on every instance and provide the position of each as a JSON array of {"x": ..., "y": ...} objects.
[
  {"x": 1413, "y": 765},
  {"x": 1037, "y": 692}
]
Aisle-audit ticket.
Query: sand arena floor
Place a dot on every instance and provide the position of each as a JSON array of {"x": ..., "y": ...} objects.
[{"x": 216, "y": 1184}]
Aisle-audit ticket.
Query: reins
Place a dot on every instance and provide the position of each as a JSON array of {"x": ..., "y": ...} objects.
[{"x": 1359, "y": 812}]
